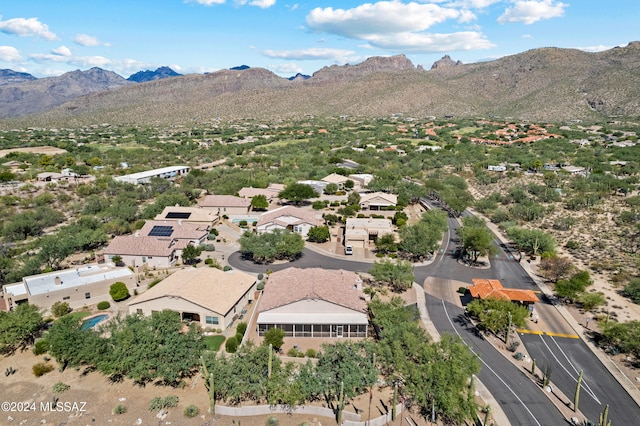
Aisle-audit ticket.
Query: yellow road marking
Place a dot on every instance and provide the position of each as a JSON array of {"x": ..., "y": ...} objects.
[{"x": 548, "y": 333}]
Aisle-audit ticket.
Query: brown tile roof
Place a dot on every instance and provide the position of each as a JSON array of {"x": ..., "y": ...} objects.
[
  {"x": 133, "y": 245},
  {"x": 211, "y": 288},
  {"x": 294, "y": 284},
  {"x": 224, "y": 201},
  {"x": 484, "y": 289},
  {"x": 302, "y": 216}
]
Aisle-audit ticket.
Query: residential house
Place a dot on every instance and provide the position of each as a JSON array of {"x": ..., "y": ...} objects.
[
  {"x": 80, "y": 286},
  {"x": 270, "y": 192},
  {"x": 208, "y": 296},
  {"x": 485, "y": 289},
  {"x": 292, "y": 218},
  {"x": 339, "y": 180},
  {"x": 378, "y": 201},
  {"x": 136, "y": 250},
  {"x": 360, "y": 232},
  {"x": 226, "y": 205},
  {"x": 361, "y": 179},
  {"x": 317, "y": 185},
  {"x": 498, "y": 168},
  {"x": 576, "y": 171},
  {"x": 313, "y": 302}
]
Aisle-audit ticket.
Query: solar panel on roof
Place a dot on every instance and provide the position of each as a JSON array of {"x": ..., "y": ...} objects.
[
  {"x": 161, "y": 231},
  {"x": 178, "y": 215}
]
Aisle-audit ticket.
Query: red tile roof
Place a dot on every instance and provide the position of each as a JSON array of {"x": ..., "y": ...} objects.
[{"x": 483, "y": 289}]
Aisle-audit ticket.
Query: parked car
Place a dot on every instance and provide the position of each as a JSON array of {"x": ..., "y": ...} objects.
[{"x": 348, "y": 250}]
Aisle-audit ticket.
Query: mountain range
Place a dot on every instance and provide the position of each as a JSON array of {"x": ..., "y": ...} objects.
[{"x": 546, "y": 84}]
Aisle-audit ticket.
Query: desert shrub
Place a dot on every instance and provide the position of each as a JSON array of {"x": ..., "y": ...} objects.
[
  {"x": 231, "y": 345},
  {"x": 260, "y": 285},
  {"x": 41, "y": 369},
  {"x": 104, "y": 305},
  {"x": 227, "y": 268},
  {"x": 191, "y": 411},
  {"x": 59, "y": 309},
  {"x": 293, "y": 352},
  {"x": 208, "y": 261},
  {"x": 154, "y": 282},
  {"x": 318, "y": 205},
  {"x": 158, "y": 403},
  {"x": 513, "y": 345},
  {"x": 119, "y": 409},
  {"x": 41, "y": 347},
  {"x": 311, "y": 353},
  {"x": 272, "y": 421},
  {"x": 9, "y": 371},
  {"x": 462, "y": 290},
  {"x": 260, "y": 276},
  {"x": 632, "y": 290},
  {"x": 60, "y": 387},
  {"x": 207, "y": 247},
  {"x": 242, "y": 224},
  {"x": 572, "y": 245}
]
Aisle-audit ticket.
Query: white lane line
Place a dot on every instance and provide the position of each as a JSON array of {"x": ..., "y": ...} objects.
[
  {"x": 490, "y": 369},
  {"x": 584, "y": 380},
  {"x": 575, "y": 379}
]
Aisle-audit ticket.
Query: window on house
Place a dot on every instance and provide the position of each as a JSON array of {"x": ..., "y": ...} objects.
[
  {"x": 66, "y": 298},
  {"x": 139, "y": 311},
  {"x": 211, "y": 320},
  {"x": 87, "y": 295}
]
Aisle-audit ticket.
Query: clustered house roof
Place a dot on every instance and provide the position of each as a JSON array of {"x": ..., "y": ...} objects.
[
  {"x": 138, "y": 245},
  {"x": 178, "y": 229},
  {"x": 340, "y": 287},
  {"x": 390, "y": 198},
  {"x": 213, "y": 289},
  {"x": 224, "y": 201},
  {"x": 289, "y": 215},
  {"x": 484, "y": 289}
]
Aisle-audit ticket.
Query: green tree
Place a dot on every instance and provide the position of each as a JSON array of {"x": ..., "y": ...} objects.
[
  {"x": 274, "y": 337},
  {"x": 494, "y": 314},
  {"x": 318, "y": 234},
  {"x": 54, "y": 250},
  {"x": 590, "y": 301},
  {"x": 331, "y": 188},
  {"x": 555, "y": 267},
  {"x": 476, "y": 238},
  {"x": 399, "y": 275},
  {"x": 270, "y": 246},
  {"x": 531, "y": 241},
  {"x": 19, "y": 327},
  {"x": 259, "y": 202},
  {"x": 190, "y": 254},
  {"x": 386, "y": 244},
  {"x": 632, "y": 290},
  {"x": 298, "y": 193},
  {"x": 348, "y": 185},
  {"x": 119, "y": 291},
  {"x": 353, "y": 199},
  {"x": 419, "y": 241}
]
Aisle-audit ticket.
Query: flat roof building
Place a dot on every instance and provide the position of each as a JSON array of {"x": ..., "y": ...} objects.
[
  {"x": 84, "y": 285},
  {"x": 145, "y": 177}
]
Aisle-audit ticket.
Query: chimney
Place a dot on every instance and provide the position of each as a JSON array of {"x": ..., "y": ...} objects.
[{"x": 57, "y": 280}]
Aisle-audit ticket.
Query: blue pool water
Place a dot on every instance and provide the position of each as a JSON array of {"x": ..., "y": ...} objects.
[{"x": 92, "y": 322}]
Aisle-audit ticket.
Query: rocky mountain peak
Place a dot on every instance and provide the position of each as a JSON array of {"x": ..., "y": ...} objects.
[{"x": 446, "y": 61}]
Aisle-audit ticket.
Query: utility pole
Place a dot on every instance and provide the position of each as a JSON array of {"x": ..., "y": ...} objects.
[{"x": 576, "y": 399}]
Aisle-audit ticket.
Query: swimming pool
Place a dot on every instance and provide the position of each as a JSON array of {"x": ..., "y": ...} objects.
[{"x": 93, "y": 321}]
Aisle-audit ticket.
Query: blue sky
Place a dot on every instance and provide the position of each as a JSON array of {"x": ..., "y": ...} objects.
[{"x": 47, "y": 37}]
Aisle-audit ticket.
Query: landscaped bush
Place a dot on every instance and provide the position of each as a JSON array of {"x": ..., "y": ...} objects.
[
  {"x": 104, "y": 305},
  {"x": 311, "y": 353},
  {"x": 207, "y": 247},
  {"x": 241, "y": 328},
  {"x": 41, "y": 347},
  {"x": 59, "y": 309},
  {"x": 293, "y": 352},
  {"x": 272, "y": 421},
  {"x": 191, "y": 411},
  {"x": 41, "y": 369},
  {"x": 231, "y": 345},
  {"x": 120, "y": 409},
  {"x": 260, "y": 286},
  {"x": 118, "y": 291},
  {"x": 154, "y": 282},
  {"x": 227, "y": 268}
]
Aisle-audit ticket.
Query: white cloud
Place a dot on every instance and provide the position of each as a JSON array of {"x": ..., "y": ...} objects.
[
  {"x": 600, "y": 48},
  {"x": 384, "y": 17},
  {"x": 25, "y": 27},
  {"x": 61, "y": 51},
  {"x": 9, "y": 54},
  {"x": 87, "y": 40},
  {"x": 532, "y": 11},
  {"x": 264, "y": 4},
  {"x": 80, "y": 61},
  {"x": 430, "y": 43},
  {"x": 288, "y": 69},
  {"x": 206, "y": 2},
  {"x": 471, "y": 4},
  {"x": 311, "y": 54}
]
